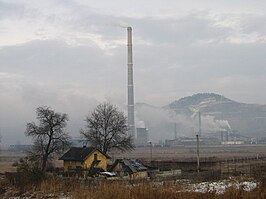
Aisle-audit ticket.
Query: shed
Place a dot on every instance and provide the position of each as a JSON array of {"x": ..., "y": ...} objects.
[{"x": 129, "y": 167}]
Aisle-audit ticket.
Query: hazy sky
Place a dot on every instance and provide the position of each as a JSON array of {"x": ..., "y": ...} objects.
[{"x": 71, "y": 54}]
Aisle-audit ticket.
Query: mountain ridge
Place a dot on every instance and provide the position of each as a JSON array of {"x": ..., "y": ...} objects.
[{"x": 247, "y": 119}]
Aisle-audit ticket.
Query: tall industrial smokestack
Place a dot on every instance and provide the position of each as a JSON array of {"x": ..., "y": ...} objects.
[{"x": 130, "y": 86}]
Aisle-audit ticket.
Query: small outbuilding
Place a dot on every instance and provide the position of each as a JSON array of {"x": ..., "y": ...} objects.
[
  {"x": 84, "y": 161},
  {"x": 129, "y": 167}
]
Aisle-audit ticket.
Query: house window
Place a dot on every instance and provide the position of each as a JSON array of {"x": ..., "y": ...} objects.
[{"x": 95, "y": 156}]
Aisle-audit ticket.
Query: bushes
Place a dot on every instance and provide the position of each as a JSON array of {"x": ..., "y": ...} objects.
[
  {"x": 34, "y": 182},
  {"x": 28, "y": 174}
]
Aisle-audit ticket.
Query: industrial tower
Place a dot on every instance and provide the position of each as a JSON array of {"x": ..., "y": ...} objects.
[{"x": 130, "y": 85}]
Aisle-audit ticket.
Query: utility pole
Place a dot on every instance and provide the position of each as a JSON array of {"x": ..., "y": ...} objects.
[
  {"x": 198, "y": 162},
  {"x": 199, "y": 123},
  {"x": 150, "y": 151},
  {"x": 197, "y": 136},
  {"x": 175, "y": 131}
]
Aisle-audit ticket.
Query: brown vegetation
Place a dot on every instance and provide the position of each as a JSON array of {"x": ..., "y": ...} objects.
[{"x": 56, "y": 187}]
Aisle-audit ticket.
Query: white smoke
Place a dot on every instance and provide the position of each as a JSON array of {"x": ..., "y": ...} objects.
[
  {"x": 162, "y": 122},
  {"x": 211, "y": 125},
  {"x": 140, "y": 124},
  {"x": 121, "y": 24},
  {"x": 224, "y": 124}
]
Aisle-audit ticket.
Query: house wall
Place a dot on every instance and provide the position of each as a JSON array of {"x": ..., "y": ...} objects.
[
  {"x": 72, "y": 164},
  {"x": 120, "y": 172},
  {"x": 88, "y": 162},
  {"x": 102, "y": 164},
  {"x": 140, "y": 174},
  {"x": 119, "y": 169}
]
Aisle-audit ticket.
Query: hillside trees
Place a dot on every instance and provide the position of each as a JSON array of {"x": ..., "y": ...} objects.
[
  {"x": 48, "y": 135},
  {"x": 106, "y": 129}
]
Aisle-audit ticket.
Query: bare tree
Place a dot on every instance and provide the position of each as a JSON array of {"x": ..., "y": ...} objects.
[
  {"x": 49, "y": 136},
  {"x": 106, "y": 129}
]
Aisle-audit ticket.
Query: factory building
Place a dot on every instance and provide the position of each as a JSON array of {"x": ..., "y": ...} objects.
[{"x": 142, "y": 137}]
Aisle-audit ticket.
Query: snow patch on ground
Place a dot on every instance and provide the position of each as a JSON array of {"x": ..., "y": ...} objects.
[{"x": 221, "y": 186}]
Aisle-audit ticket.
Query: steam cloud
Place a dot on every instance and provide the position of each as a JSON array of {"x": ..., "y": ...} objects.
[{"x": 160, "y": 123}]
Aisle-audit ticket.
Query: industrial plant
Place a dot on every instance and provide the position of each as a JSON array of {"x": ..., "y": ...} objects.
[{"x": 220, "y": 132}]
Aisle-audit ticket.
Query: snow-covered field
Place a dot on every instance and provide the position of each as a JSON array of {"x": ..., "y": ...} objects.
[{"x": 219, "y": 187}]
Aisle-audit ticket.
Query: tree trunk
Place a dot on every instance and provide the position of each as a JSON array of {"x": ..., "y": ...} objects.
[{"x": 44, "y": 163}]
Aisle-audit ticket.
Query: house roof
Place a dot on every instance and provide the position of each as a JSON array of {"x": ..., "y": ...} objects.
[
  {"x": 79, "y": 153},
  {"x": 130, "y": 165}
]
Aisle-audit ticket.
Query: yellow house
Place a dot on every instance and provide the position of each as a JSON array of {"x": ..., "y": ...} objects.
[{"x": 84, "y": 160}]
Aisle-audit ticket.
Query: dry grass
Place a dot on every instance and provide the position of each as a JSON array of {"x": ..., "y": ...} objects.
[
  {"x": 6, "y": 167},
  {"x": 105, "y": 189},
  {"x": 72, "y": 188},
  {"x": 54, "y": 187},
  {"x": 7, "y": 158}
]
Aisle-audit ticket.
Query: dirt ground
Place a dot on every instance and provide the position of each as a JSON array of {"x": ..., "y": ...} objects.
[
  {"x": 7, "y": 158},
  {"x": 222, "y": 152}
]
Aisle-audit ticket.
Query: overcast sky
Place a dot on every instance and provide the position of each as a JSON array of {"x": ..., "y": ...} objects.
[{"x": 71, "y": 54}]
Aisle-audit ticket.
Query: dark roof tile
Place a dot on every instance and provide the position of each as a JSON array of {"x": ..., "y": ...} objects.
[{"x": 79, "y": 153}]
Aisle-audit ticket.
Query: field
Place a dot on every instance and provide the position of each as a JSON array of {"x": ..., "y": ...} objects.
[
  {"x": 221, "y": 152},
  {"x": 242, "y": 169},
  {"x": 7, "y": 158},
  {"x": 225, "y": 154}
]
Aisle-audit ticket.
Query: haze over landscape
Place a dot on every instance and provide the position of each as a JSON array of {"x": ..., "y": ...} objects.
[{"x": 71, "y": 55}]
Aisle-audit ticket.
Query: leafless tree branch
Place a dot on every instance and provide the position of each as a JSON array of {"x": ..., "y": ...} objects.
[
  {"x": 106, "y": 129},
  {"x": 49, "y": 136}
]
